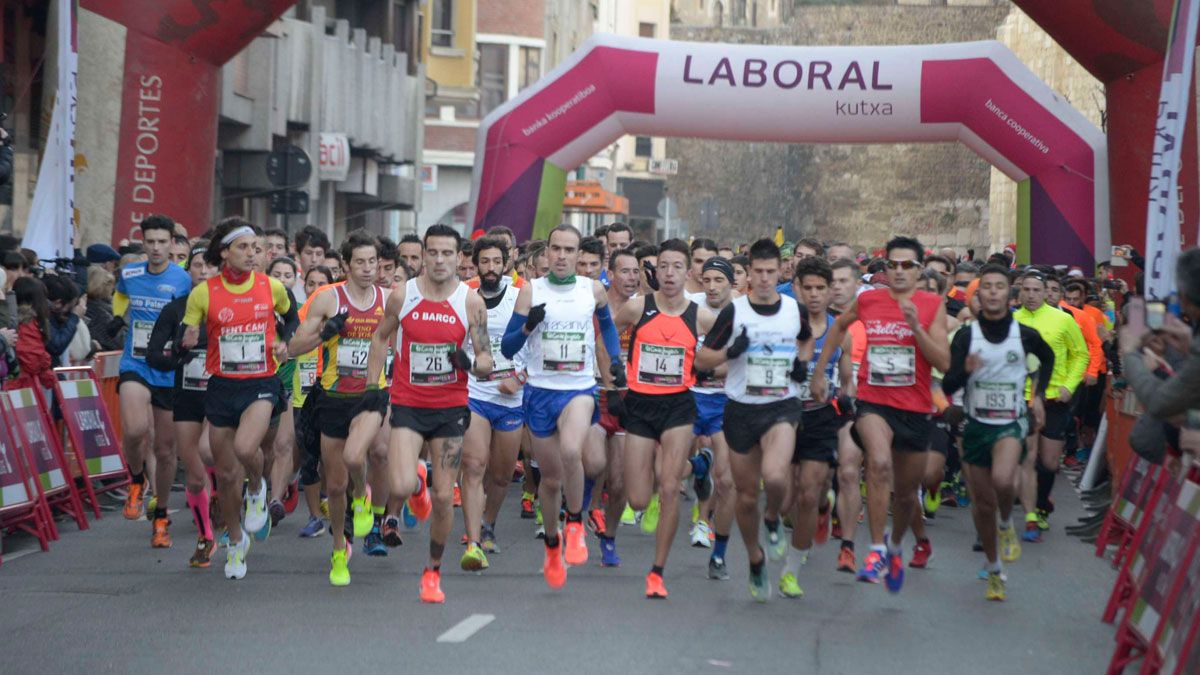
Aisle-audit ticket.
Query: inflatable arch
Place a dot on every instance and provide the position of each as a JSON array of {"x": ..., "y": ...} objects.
[{"x": 976, "y": 93}]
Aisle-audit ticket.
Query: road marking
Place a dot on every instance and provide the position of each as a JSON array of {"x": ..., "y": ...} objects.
[
  {"x": 9, "y": 557},
  {"x": 466, "y": 628}
]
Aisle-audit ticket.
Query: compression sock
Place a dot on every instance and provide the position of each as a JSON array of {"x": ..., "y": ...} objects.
[
  {"x": 588, "y": 484},
  {"x": 198, "y": 504},
  {"x": 719, "y": 544},
  {"x": 1045, "y": 483},
  {"x": 138, "y": 478}
]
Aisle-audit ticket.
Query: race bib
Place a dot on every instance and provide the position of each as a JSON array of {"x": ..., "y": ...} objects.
[
  {"x": 243, "y": 353},
  {"x": 767, "y": 375},
  {"x": 195, "y": 372},
  {"x": 660, "y": 365},
  {"x": 996, "y": 400},
  {"x": 306, "y": 370},
  {"x": 892, "y": 365},
  {"x": 503, "y": 368},
  {"x": 564, "y": 351},
  {"x": 429, "y": 364},
  {"x": 352, "y": 357},
  {"x": 141, "y": 337}
]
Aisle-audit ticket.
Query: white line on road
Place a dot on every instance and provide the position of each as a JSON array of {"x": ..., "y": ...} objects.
[{"x": 466, "y": 628}]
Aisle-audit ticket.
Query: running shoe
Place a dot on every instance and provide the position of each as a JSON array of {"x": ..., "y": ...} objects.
[
  {"x": 576, "y": 552},
  {"x": 488, "y": 539},
  {"x": 922, "y": 553},
  {"x": 431, "y": 587},
  {"x": 235, "y": 558},
  {"x": 373, "y": 544},
  {"x": 701, "y": 474},
  {"x": 406, "y": 516},
  {"x": 360, "y": 510},
  {"x": 1010, "y": 546},
  {"x": 1032, "y": 533},
  {"x": 822, "y": 534},
  {"x": 932, "y": 502},
  {"x": 650, "y": 515},
  {"x": 995, "y": 587},
  {"x": 629, "y": 516},
  {"x": 540, "y": 532},
  {"x": 760, "y": 588},
  {"x": 202, "y": 556},
  {"x": 608, "y": 552},
  {"x": 256, "y": 509},
  {"x": 553, "y": 569},
  {"x": 1043, "y": 519},
  {"x": 776, "y": 545},
  {"x": 700, "y": 535},
  {"x": 655, "y": 587},
  {"x": 537, "y": 513},
  {"x": 161, "y": 537},
  {"x": 596, "y": 522},
  {"x": 325, "y": 507},
  {"x": 276, "y": 510},
  {"x": 846, "y": 561},
  {"x": 457, "y": 496},
  {"x": 339, "y": 567},
  {"x": 789, "y": 587},
  {"x": 391, "y": 532},
  {"x": 473, "y": 559},
  {"x": 314, "y": 528},
  {"x": 872, "y": 568},
  {"x": 151, "y": 506},
  {"x": 291, "y": 496},
  {"x": 895, "y": 572},
  {"x": 836, "y": 527},
  {"x": 527, "y": 505},
  {"x": 134, "y": 501},
  {"x": 420, "y": 503},
  {"x": 695, "y": 512},
  {"x": 223, "y": 540},
  {"x": 716, "y": 569},
  {"x": 977, "y": 547},
  {"x": 984, "y": 572}
]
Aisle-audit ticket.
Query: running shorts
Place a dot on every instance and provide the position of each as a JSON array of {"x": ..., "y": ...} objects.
[
  {"x": 651, "y": 415},
  {"x": 979, "y": 438},
  {"x": 910, "y": 430},
  {"x": 608, "y": 421},
  {"x": 1059, "y": 418},
  {"x": 162, "y": 398},
  {"x": 543, "y": 407},
  {"x": 227, "y": 398},
  {"x": 817, "y": 440},
  {"x": 710, "y": 414},
  {"x": 189, "y": 406},
  {"x": 501, "y": 418},
  {"x": 754, "y": 420},
  {"x": 334, "y": 413},
  {"x": 432, "y": 423}
]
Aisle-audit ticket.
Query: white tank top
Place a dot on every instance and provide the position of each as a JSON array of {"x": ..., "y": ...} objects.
[
  {"x": 761, "y": 375},
  {"x": 562, "y": 349},
  {"x": 707, "y": 385},
  {"x": 488, "y": 389},
  {"x": 995, "y": 393}
]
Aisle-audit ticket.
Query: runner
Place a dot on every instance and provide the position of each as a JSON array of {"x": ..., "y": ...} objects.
[
  {"x": 430, "y": 318},
  {"x": 411, "y": 251},
  {"x": 191, "y": 380},
  {"x": 701, "y": 251},
  {"x": 906, "y": 335},
  {"x": 142, "y": 291},
  {"x": 589, "y": 265},
  {"x": 659, "y": 408},
  {"x": 817, "y": 440},
  {"x": 988, "y": 359},
  {"x": 238, "y": 308},
  {"x": 1071, "y": 361},
  {"x": 308, "y": 436},
  {"x": 554, "y": 314},
  {"x": 850, "y": 457},
  {"x": 767, "y": 341}
]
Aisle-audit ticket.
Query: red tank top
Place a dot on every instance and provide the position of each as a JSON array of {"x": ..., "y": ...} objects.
[
  {"x": 661, "y": 351},
  {"x": 430, "y": 331},
  {"x": 347, "y": 352},
  {"x": 894, "y": 372},
  {"x": 241, "y": 329}
]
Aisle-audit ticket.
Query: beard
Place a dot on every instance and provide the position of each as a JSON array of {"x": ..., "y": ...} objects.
[{"x": 489, "y": 283}]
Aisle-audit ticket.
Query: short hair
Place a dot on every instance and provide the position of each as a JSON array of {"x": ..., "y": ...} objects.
[
  {"x": 969, "y": 267},
  {"x": 643, "y": 252},
  {"x": 158, "y": 221},
  {"x": 440, "y": 230},
  {"x": 97, "y": 280},
  {"x": 843, "y": 263},
  {"x": 319, "y": 269},
  {"x": 600, "y": 232},
  {"x": 938, "y": 280},
  {"x": 997, "y": 259},
  {"x": 312, "y": 237},
  {"x": 678, "y": 246},
  {"x": 358, "y": 239},
  {"x": 276, "y": 232},
  {"x": 876, "y": 265},
  {"x": 385, "y": 249},
  {"x": 816, "y": 266},
  {"x": 764, "y": 249},
  {"x": 501, "y": 231},
  {"x": 466, "y": 246},
  {"x": 706, "y": 244},
  {"x": 282, "y": 260},
  {"x": 809, "y": 242},
  {"x": 618, "y": 227},
  {"x": 1028, "y": 274},
  {"x": 485, "y": 243},
  {"x": 937, "y": 257},
  {"x": 617, "y": 253},
  {"x": 1187, "y": 275},
  {"x": 565, "y": 227},
  {"x": 1077, "y": 285},
  {"x": 995, "y": 269},
  {"x": 909, "y": 243},
  {"x": 742, "y": 260},
  {"x": 413, "y": 239},
  {"x": 592, "y": 245},
  {"x": 60, "y": 288},
  {"x": 180, "y": 239}
]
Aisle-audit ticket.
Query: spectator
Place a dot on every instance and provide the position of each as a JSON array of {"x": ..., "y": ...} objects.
[
  {"x": 64, "y": 322},
  {"x": 101, "y": 255},
  {"x": 33, "y": 318},
  {"x": 108, "y": 331},
  {"x": 8, "y": 303}
]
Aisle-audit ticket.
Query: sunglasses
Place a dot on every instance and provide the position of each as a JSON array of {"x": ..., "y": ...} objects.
[{"x": 903, "y": 264}]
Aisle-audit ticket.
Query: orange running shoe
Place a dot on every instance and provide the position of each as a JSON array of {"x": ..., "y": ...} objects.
[
  {"x": 822, "y": 534},
  {"x": 431, "y": 587},
  {"x": 846, "y": 561},
  {"x": 161, "y": 537},
  {"x": 420, "y": 504},
  {"x": 553, "y": 569},
  {"x": 133, "y": 501},
  {"x": 655, "y": 587},
  {"x": 576, "y": 552},
  {"x": 596, "y": 522},
  {"x": 457, "y": 496}
]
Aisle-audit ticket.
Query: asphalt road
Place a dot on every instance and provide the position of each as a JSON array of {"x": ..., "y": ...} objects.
[{"x": 103, "y": 600}]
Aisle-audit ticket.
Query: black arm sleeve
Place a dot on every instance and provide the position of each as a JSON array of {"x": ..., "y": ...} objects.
[
  {"x": 722, "y": 329},
  {"x": 158, "y": 356},
  {"x": 805, "y": 326},
  {"x": 956, "y": 377},
  {"x": 291, "y": 321},
  {"x": 1033, "y": 343}
]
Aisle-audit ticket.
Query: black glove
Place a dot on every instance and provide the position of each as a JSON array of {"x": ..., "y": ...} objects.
[
  {"x": 799, "y": 370},
  {"x": 537, "y": 314},
  {"x": 705, "y": 375},
  {"x": 460, "y": 360},
  {"x": 373, "y": 400},
  {"x": 651, "y": 275},
  {"x": 953, "y": 416},
  {"x": 617, "y": 369},
  {"x": 616, "y": 404},
  {"x": 739, "y": 345},
  {"x": 333, "y": 326},
  {"x": 845, "y": 404}
]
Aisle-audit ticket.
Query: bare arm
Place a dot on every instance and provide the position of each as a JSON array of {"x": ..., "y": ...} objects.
[
  {"x": 308, "y": 336},
  {"x": 846, "y": 368},
  {"x": 388, "y": 326},
  {"x": 837, "y": 335},
  {"x": 481, "y": 342},
  {"x": 935, "y": 342}
]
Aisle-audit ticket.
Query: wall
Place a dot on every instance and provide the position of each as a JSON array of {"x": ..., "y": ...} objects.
[
  {"x": 452, "y": 66},
  {"x": 98, "y": 126}
]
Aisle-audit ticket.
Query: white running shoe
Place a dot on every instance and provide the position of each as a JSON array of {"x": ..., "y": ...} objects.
[
  {"x": 256, "y": 509},
  {"x": 235, "y": 558},
  {"x": 700, "y": 532}
]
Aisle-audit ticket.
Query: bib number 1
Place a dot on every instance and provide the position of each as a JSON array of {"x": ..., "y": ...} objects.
[{"x": 243, "y": 353}]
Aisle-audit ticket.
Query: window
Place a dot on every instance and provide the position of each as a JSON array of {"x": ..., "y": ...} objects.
[
  {"x": 646, "y": 30},
  {"x": 492, "y": 77},
  {"x": 531, "y": 66},
  {"x": 643, "y": 146},
  {"x": 441, "y": 27}
]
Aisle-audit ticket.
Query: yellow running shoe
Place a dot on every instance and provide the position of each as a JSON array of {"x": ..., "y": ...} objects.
[
  {"x": 995, "y": 587},
  {"x": 650, "y": 516},
  {"x": 339, "y": 567},
  {"x": 1010, "y": 545},
  {"x": 474, "y": 559},
  {"x": 789, "y": 587},
  {"x": 628, "y": 516},
  {"x": 363, "y": 520},
  {"x": 695, "y": 512}
]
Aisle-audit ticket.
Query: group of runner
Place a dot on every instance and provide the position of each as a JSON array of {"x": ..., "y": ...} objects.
[{"x": 602, "y": 370}]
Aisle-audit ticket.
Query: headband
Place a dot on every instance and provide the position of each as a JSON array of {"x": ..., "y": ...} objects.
[
  {"x": 721, "y": 265},
  {"x": 243, "y": 231},
  {"x": 196, "y": 250}
]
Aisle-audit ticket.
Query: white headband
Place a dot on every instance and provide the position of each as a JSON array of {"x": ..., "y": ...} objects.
[{"x": 243, "y": 231}]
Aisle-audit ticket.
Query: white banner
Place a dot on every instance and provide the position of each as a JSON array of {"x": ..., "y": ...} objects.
[
  {"x": 1162, "y": 213},
  {"x": 51, "y": 227}
]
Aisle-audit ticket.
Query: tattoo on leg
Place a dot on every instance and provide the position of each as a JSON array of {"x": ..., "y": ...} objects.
[{"x": 451, "y": 452}]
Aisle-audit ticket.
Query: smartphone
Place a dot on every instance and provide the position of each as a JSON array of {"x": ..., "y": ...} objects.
[
  {"x": 1120, "y": 256},
  {"x": 1155, "y": 312}
]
